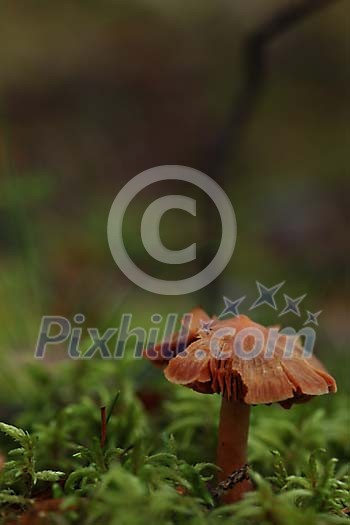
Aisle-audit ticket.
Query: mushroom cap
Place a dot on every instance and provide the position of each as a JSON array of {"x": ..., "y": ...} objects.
[
  {"x": 161, "y": 353},
  {"x": 212, "y": 364}
]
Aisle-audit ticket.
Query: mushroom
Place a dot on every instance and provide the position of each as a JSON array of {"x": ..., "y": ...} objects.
[
  {"x": 225, "y": 361},
  {"x": 191, "y": 325}
]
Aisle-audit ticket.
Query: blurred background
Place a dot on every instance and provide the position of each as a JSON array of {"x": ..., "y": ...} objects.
[{"x": 93, "y": 93}]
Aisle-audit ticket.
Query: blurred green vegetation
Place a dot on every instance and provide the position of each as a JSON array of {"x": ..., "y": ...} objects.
[{"x": 160, "y": 441}]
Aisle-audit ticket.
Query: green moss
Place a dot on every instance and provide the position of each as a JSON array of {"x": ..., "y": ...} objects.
[{"x": 155, "y": 465}]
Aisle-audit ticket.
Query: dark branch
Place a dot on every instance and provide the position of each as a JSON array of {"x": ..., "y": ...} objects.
[{"x": 254, "y": 75}]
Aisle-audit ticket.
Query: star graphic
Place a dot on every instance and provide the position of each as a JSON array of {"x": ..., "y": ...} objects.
[
  {"x": 312, "y": 318},
  {"x": 267, "y": 295},
  {"x": 292, "y": 305},
  {"x": 231, "y": 307},
  {"x": 206, "y": 325}
]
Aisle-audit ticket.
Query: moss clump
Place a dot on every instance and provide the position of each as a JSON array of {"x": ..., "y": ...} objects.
[{"x": 156, "y": 463}]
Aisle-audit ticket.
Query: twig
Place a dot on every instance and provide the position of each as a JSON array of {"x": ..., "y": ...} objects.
[
  {"x": 114, "y": 402},
  {"x": 254, "y": 73},
  {"x": 236, "y": 477},
  {"x": 244, "y": 103},
  {"x": 103, "y": 427}
]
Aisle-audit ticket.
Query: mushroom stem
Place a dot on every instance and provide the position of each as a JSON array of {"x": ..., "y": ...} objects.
[{"x": 232, "y": 444}]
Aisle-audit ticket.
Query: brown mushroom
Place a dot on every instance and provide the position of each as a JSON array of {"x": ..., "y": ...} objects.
[
  {"x": 191, "y": 324},
  {"x": 213, "y": 364}
]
